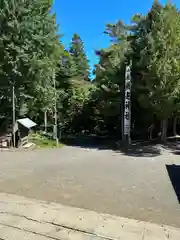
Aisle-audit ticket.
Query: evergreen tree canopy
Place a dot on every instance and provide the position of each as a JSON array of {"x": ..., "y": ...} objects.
[
  {"x": 79, "y": 57},
  {"x": 29, "y": 50},
  {"x": 34, "y": 61}
]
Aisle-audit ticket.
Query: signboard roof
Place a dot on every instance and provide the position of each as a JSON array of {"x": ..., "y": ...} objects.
[{"x": 26, "y": 122}]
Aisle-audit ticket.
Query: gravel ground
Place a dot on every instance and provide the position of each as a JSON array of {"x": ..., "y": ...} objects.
[{"x": 106, "y": 181}]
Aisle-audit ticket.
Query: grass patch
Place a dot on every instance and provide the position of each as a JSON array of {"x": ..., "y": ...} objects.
[{"x": 42, "y": 141}]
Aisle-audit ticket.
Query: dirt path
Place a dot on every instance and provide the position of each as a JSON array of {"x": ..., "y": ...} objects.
[{"x": 100, "y": 180}]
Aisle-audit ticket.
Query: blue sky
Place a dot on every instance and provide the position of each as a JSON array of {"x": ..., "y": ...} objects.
[{"x": 88, "y": 19}]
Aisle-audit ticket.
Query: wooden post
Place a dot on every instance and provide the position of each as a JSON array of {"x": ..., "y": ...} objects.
[
  {"x": 45, "y": 121},
  {"x": 127, "y": 105},
  {"x": 14, "y": 116},
  {"x": 55, "y": 110},
  {"x": 174, "y": 126}
]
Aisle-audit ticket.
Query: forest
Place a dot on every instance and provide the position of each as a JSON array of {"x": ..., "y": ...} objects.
[{"x": 47, "y": 76}]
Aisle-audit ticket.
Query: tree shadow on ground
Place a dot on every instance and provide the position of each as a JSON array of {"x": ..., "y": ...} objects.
[
  {"x": 93, "y": 142},
  {"x": 172, "y": 145},
  {"x": 174, "y": 175},
  {"x": 140, "y": 150},
  {"x": 154, "y": 148}
]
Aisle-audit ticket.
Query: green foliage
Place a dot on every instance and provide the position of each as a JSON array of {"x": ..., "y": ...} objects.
[
  {"x": 159, "y": 59},
  {"x": 152, "y": 43},
  {"x": 34, "y": 61},
  {"x": 71, "y": 114},
  {"x": 41, "y": 141},
  {"x": 79, "y": 57},
  {"x": 29, "y": 51}
]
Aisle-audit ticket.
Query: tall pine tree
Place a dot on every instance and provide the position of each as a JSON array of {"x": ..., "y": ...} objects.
[
  {"x": 29, "y": 52},
  {"x": 79, "y": 57}
]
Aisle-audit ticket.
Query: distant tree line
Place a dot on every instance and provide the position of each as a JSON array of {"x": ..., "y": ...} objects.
[{"x": 32, "y": 54}]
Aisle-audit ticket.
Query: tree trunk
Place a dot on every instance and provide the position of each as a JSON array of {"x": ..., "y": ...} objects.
[
  {"x": 150, "y": 135},
  {"x": 174, "y": 126},
  {"x": 164, "y": 129},
  {"x": 45, "y": 121}
]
